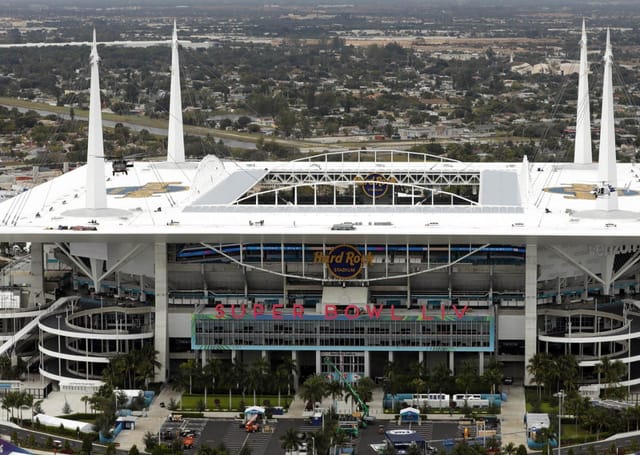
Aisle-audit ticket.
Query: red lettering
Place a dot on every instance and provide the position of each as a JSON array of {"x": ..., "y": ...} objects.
[
  {"x": 352, "y": 312},
  {"x": 393, "y": 314},
  {"x": 374, "y": 312},
  {"x": 330, "y": 312},
  {"x": 423, "y": 310},
  {"x": 298, "y": 311},
  {"x": 258, "y": 310},
  {"x": 233, "y": 311},
  {"x": 219, "y": 311},
  {"x": 276, "y": 311},
  {"x": 460, "y": 314}
]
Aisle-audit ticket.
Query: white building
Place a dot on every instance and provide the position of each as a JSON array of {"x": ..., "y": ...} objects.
[{"x": 357, "y": 256}]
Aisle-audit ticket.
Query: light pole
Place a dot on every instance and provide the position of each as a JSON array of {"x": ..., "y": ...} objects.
[
  {"x": 560, "y": 396},
  {"x": 313, "y": 445}
]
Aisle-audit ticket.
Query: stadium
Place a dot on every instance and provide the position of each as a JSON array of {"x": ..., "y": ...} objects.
[{"x": 360, "y": 257}]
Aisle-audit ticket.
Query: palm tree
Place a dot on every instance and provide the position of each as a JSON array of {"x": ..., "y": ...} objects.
[
  {"x": 25, "y": 402},
  {"x": 467, "y": 376},
  {"x": 289, "y": 365},
  {"x": 568, "y": 372},
  {"x": 509, "y": 449},
  {"x": 611, "y": 371},
  {"x": 10, "y": 401},
  {"x": 238, "y": 377},
  {"x": 290, "y": 440},
  {"x": 209, "y": 374},
  {"x": 335, "y": 391},
  {"x": 259, "y": 376},
  {"x": 150, "y": 441},
  {"x": 188, "y": 370},
  {"x": 281, "y": 377},
  {"x": 313, "y": 390},
  {"x": 147, "y": 364},
  {"x": 493, "y": 373},
  {"x": 365, "y": 387},
  {"x": 537, "y": 369}
]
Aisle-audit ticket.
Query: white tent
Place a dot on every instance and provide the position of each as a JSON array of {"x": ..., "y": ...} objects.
[
  {"x": 407, "y": 410},
  {"x": 254, "y": 410},
  {"x": 68, "y": 424}
]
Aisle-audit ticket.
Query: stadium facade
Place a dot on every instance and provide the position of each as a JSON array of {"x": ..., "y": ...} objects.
[{"x": 361, "y": 257}]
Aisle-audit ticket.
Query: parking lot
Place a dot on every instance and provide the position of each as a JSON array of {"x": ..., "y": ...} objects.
[
  {"x": 187, "y": 430},
  {"x": 232, "y": 433}
]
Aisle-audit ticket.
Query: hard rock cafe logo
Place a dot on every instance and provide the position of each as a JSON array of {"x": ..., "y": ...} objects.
[
  {"x": 375, "y": 185},
  {"x": 344, "y": 261}
]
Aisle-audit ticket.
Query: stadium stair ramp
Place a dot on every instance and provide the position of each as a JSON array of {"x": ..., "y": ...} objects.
[{"x": 8, "y": 345}]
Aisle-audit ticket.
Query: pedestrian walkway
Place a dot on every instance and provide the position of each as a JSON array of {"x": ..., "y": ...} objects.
[
  {"x": 152, "y": 422},
  {"x": 512, "y": 413}
]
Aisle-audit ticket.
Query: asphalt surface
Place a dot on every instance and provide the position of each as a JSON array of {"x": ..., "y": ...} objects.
[
  {"x": 213, "y": 432},
  {"x": 232, "y": 434}
]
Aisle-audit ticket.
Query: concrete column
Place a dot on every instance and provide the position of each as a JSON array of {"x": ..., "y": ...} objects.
[
  {"x": 452, "y": 362},
  {"x": 161, "y": 332},
  {"x": 390, "y": 354},
  {"x": 234, "y": 355},
  {"x": 481, "y": 363},
  {"x": 367, "y": 364},
  {"x": 36, "y": 297},
  {"x": 296, "y": 374},
  {"x": 318, "y": 363},
  {"x": 585, "y": 293},
  {"x": 142, "y": 296},
  {"x": 530, "y": 303},
  {"x": 96, "y": 271},
  {"x": 607, "y": 273},
  {"x": 203, "y": 358},
  {"x": 420, "y": 356}
]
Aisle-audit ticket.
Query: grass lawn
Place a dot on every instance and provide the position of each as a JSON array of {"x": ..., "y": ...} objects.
[
  {"x": 547, "y": 405},
  {"x": 577, "y": 435},
  {"x": 190, "y": 402}
]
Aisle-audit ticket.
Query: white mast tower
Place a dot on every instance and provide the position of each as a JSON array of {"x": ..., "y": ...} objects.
[
  {"x": 582, "y": 150},
  {"x": 607, "y": 173},
  {"x": 175, "y": 139},
  {"x": 96, "y": 197}
]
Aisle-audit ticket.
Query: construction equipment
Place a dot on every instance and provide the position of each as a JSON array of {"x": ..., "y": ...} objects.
[
  {"x": 363, "y": 406},
  {"x": 252, "y": 426}
]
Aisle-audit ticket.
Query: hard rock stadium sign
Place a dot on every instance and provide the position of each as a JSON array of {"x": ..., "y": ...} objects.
[{"x": 344, "y": 261}]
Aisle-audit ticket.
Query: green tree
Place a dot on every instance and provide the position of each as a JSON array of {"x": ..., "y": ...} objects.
[
  {"x": 290, "y": 440},
  {"x": 493, "y": 373},
  {"x": 611, "y": 372},
  {"x": 467, "y": 376},
  {"x": 335, "y": 390},
  {"x": 537, "y": 369},
  {"x": 87, "y": 445},
  {"x": 313, "y": 390},
  {"x": 364, "y": 388},
  {"x": 150, "y": 441}
]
